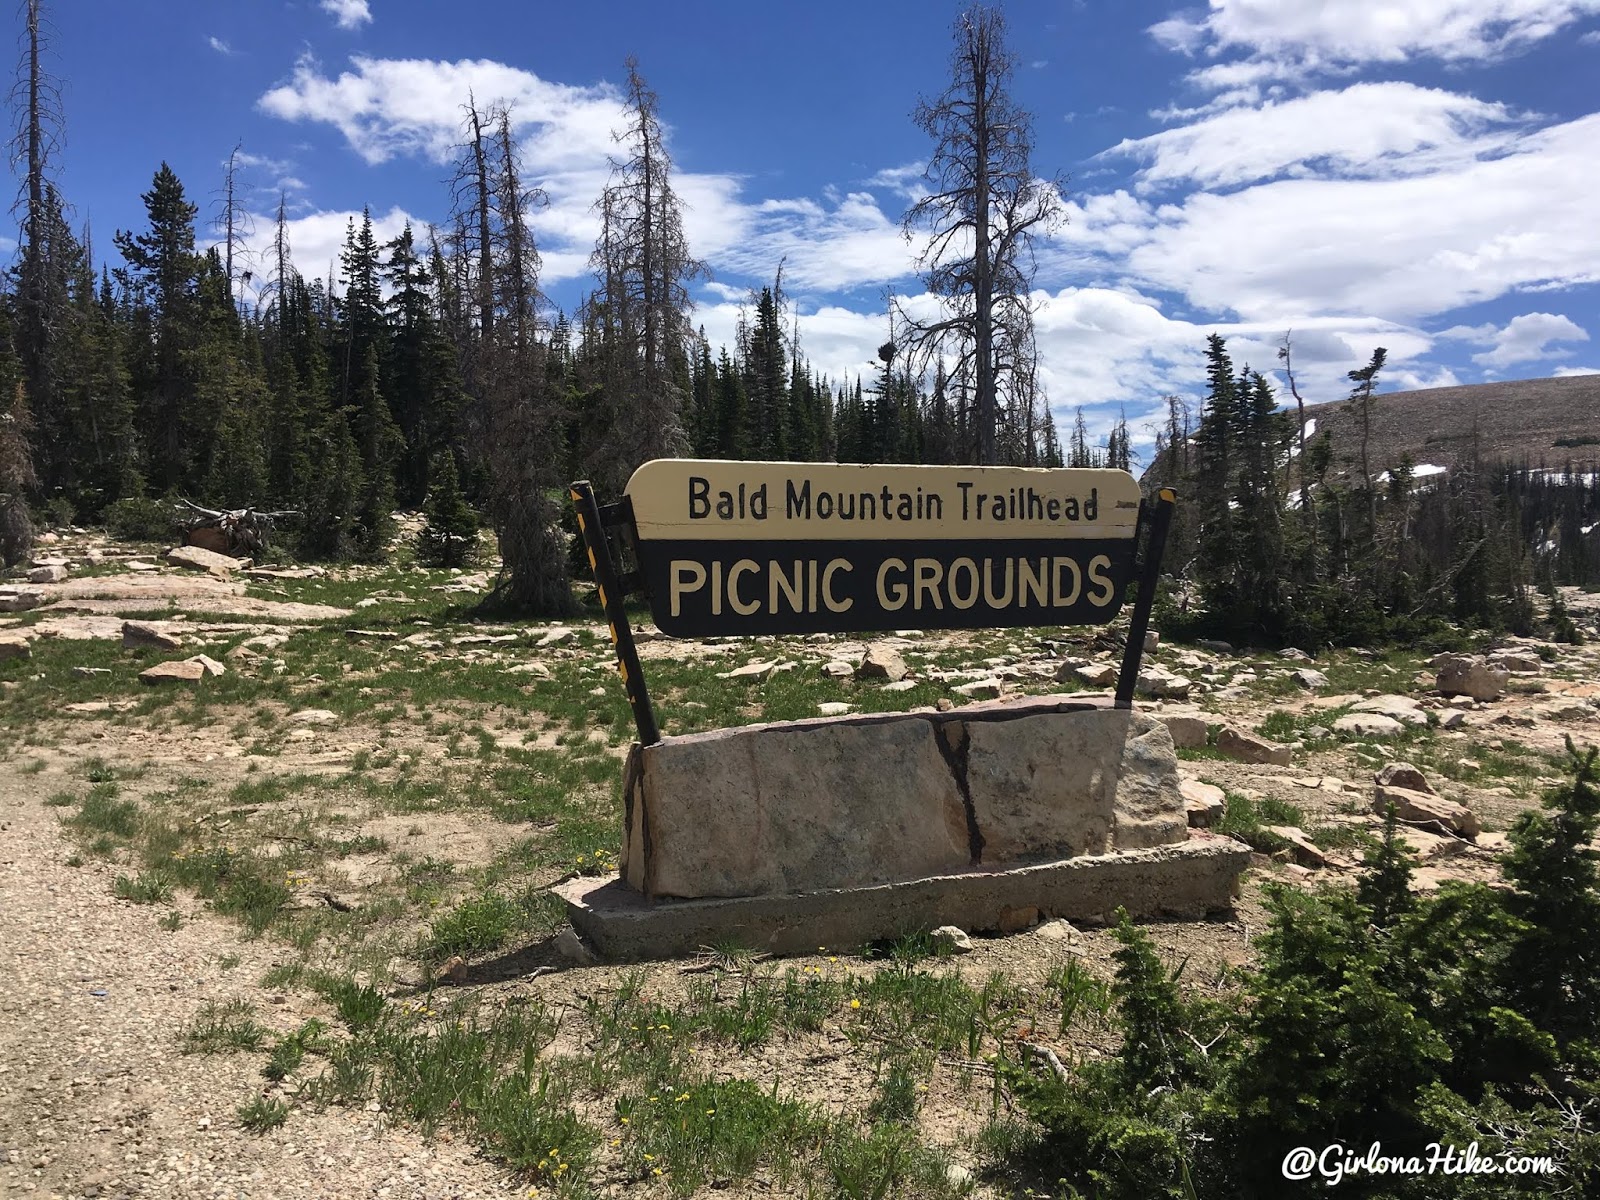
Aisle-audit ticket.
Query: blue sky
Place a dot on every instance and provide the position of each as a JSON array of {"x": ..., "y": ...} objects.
[{"x": 1419, "y": 175}]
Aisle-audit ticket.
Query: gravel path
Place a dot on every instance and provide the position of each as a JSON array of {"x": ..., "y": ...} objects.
[{"x": 96, "y": 1099}]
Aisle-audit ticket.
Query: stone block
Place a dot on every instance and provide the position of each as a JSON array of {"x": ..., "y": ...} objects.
[{"x": 866, "y": 799}]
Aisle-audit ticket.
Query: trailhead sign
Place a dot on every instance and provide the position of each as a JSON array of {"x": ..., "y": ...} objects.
[{"x": 741, "y": 548}]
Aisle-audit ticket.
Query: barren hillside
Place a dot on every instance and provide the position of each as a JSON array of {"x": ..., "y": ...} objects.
[{"x": 1510, "y": 421}]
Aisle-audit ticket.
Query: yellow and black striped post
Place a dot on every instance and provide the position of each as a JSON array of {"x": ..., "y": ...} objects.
[
  {"x": 1149, "y": 570},
  {"x": 593, "y": 529}
]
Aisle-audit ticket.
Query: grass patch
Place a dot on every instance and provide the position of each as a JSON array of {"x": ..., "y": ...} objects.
[
  {"x": 223, "y": 1028},
  {"x": 144, "y": 888}
]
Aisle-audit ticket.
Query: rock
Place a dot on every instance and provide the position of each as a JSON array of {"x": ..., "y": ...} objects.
[
  {"x": 1215, "y": 646},
  {"x": 364, "y": 602},
  {"x": 186, "y": 671},
  {"x": 1016, "y": 919},
  {"x": 803, "y": 806},
  {"x": 755, "y": 670},
  {"x": 1189, "y": 731},
  {"x": 838, "y": 669},
  {"x": 834, "y": 708},
  {"x": 1368, "y": 725},
  {"x": 90, "y": 672},
  {"x": 951, "y": 940},
  {"x": 1304, "y": 850},
  {"x": 136, "y": 634},
  {"x": 1430, "y": 846},
  {"x": 1248, "y": 748},
  {"x": 1203, "y": 803},
  {"x": 1162, "y": 685},
  {"x": 19, "y": 599},
  {"x": 1401, "y": 708},
  {"x": 197, "y": 558},
  {"x": 302, "y": 735},
  {"x": 14, "y": 645},
  {"x": 559, "y": 636},
  {"x": 1058, "y": 930},
  {"x": 1152, "y": 641},
  {"x": 571, "y": 947},
  {"x": 53, "y": 574},
  {"x": 537, "y": 669},
  {"x": 1294, "y": 654},
  {"x": 881, "y": 662},
  {"x": 1471, "y": 675},
  {"x": 1454, "y": 719},
  {"x": 903, "y": 685},
  {"x": 1501, "y": 660},
  {"x": 1308, "y": 678},
  {"x": 1317, "y": 733},
  {"x": 1424, "y": 808},
  {"x": 978, "y": 689},
  {"x": 1095, "y": 675},
  {"x": 372, "y": 635},
  {"x": 209, "y": 665},
  {"x": 138, "y": 564},
  {"x": 314, "y": 716},
  {"x": 1403, "y": 775}
]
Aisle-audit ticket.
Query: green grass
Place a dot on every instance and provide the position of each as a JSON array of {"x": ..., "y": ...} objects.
[
  {"x": 144, "y": 888},
  {"x": 263, "y": 1114},
  {"x": 1244, "y": 819},
  {"x": 223, "y": 1028}
]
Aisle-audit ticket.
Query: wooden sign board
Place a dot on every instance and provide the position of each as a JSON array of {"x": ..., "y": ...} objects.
[{"x": 767, "y": 548}]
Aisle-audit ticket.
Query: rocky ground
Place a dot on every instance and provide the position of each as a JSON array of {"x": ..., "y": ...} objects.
[{"x": 360, "y": 735}]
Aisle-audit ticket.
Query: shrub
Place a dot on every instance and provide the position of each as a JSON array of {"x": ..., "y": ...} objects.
[{"x": 141, "y": 519}]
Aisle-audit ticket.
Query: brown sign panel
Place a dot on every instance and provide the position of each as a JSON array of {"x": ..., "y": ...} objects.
[{"x": 766, "y": 548}]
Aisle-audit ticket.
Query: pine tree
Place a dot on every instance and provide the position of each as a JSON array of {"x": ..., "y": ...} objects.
[
  {"x": 449, "y": 534},
  {"x": 380, "y": 445}
]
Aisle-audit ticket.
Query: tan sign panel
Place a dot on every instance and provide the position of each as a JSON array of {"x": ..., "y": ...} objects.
[{"x": 684, "y": 499}]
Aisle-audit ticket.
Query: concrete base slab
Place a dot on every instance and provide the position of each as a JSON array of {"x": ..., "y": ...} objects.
[{"x": 1185, "y": 880}]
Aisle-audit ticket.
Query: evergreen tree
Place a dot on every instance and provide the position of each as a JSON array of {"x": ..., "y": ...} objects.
[
  {"x": 449, "y": 534},
  {"x": 380, "y": 444}
]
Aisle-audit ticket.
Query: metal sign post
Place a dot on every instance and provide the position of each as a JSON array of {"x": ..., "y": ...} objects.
[
  {"x": 1149, "y": 569},
  {"x": 592, "y": 525}
]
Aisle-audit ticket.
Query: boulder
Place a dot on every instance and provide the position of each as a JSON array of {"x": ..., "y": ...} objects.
[
  {"x": 138, "y": 634},
  {"x": 1424, "y": 808},
  {"x": 1403, "y": 775},
  {"x": 50, "y": 574},
  {"x": 1471, "y": 675},
  {"x": 1162, "y": 685},
  {"x": 1189, "y": 730},
  {"x": 185, "y": 671},
  {"x": 1152, "y": 641},
  {"x": 314, "y": 716},
  {"x": 838, "y": 669},
  {"x": 19, "y": 599},
  {"x": 1304, "y": 850},
  {"x": 1401, "y": 708},
  {"x": 978, "y": 689},
  {"x": 1294, "y": 654},
  {"x": 1502, "y": 660},
  {"x": 1095, "y": 675},
  {"x": 881, "y": 662},
  {"x": 559, "y": 636},
  {"x": 1203, "y": 802},
  {"x": 834, "y": 708},
  {"x": 14, "y": 645},
  {"x": 874, "y": 799},
  {"x": 1309, "y": 678},
  {"x": 1249, "y": 748},
  {"x": 1215, "y": 646},
  {"x": 209, "y": 665},
  {"x": 1016, "y": 918},
  {"x": 755, "y": 670},
  {"x": 1374, "y": 725},
  {"x": 197, "y": 558}
]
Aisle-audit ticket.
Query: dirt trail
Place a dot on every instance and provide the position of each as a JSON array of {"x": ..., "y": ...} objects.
[{"x": 96, "y": 1097}]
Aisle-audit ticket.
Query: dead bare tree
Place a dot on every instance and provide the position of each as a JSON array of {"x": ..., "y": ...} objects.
[
  {"x": 233, "y": 222},
  {"x": 980, "y": 216}
]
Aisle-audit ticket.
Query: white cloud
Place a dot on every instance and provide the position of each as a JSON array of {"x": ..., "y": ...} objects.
[
  {"x": 390, "y": 107},
  {"x": 1401, "y": 248},
  {"x": 1371, "y": 30},
  {"x": 1564, "y": 372},
  {"x": 1371, "y": 129},
  {"x": 1527, "y": 339},
  {"x": 316, "y": 239},
  {"x": 221, "y": 47},
  {"x": 349, "y": 14}
]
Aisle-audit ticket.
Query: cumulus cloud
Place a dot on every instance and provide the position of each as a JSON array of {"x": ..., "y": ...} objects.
[
  {"x": 1368, "y": 129},
  {"x": 348, "y": 14},
  {"x": 1366, "y": 31},
  {"x": 316, "y": 238},
  {"x": 1527, "y": 339},
  {"x": 1564, "y": 372}
]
